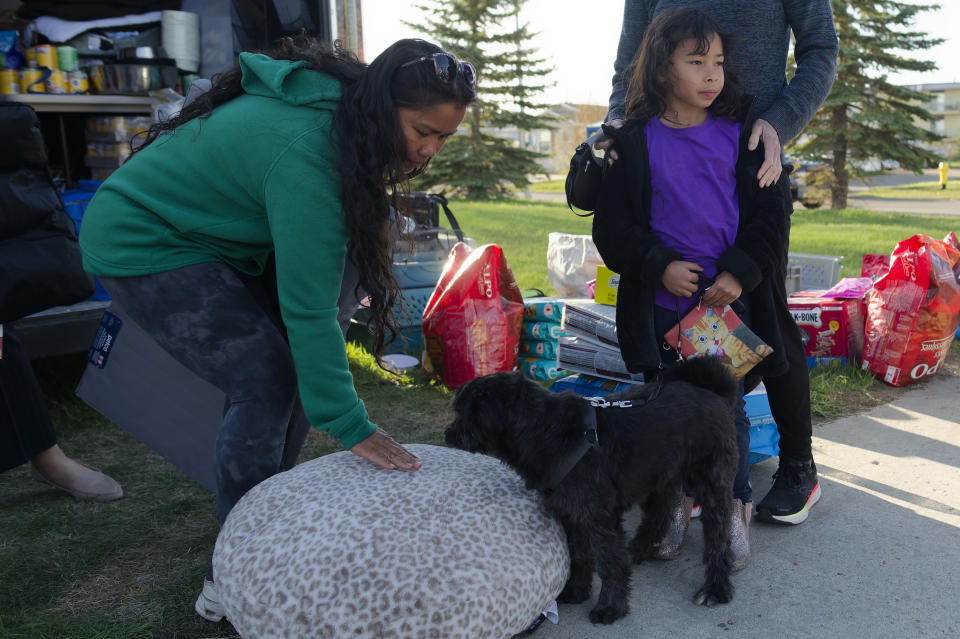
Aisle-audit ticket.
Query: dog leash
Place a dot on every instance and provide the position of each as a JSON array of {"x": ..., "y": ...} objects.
[{"x": 590, "y": 439}]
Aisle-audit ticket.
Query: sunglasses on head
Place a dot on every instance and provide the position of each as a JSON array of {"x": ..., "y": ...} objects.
[{"x": 445, "y": 66}]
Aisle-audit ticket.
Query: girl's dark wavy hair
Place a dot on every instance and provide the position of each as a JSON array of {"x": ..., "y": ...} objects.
[
  {"x": 648, "y": 86},
  {"x": 371, "y": 143}
]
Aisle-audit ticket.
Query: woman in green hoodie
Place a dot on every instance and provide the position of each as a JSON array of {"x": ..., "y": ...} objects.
[{"x": 289, "y": 159}]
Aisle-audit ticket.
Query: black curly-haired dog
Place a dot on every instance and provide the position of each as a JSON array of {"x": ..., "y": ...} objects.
[{"x": 647, "y": 443}]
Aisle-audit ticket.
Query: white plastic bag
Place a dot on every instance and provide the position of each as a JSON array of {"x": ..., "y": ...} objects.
[{"x": 572, "y": 261}]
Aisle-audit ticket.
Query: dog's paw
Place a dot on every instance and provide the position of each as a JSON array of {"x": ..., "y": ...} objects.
[
  {"x": 574, "y": 593},
  {"x": 714, "y": 594},
  {"x": 608, "y": 613}
]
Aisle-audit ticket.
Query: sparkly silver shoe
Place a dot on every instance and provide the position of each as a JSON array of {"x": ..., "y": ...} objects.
[
  {"x": 740, "y": 514},
  {"x": 669, "y": 546}
]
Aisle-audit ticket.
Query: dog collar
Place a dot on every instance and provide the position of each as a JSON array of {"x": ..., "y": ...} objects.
[{"x": 590, "y": 440}]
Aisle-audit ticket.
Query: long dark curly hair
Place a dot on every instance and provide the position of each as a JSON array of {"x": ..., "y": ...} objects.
[
  {"x": 648, "y": 87},
  {"x": 371, "y": 143}
]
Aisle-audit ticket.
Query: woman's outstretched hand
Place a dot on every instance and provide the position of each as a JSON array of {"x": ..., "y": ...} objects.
[{"x": 383, "y": 451}]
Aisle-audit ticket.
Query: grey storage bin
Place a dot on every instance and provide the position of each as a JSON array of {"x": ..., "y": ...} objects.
[
  {"x": 793, "y": 278},
  {"x": 816, "y": 271}
]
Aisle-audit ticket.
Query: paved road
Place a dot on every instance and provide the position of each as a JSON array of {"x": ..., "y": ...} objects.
[
  {"x": 878, "y": 556},
  {"x": 897, "y": 178},
  {"x": 888, "y": 178}
]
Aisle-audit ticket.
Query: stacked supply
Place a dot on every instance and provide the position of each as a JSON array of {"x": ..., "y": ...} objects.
[
  {"x": 539, "y": 334},
  {"x": 109, "y": 142},
  {"x": 590, "y": 344}
]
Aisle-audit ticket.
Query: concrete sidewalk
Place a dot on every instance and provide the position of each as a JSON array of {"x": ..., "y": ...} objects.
[{"x": 878, "y": 557}]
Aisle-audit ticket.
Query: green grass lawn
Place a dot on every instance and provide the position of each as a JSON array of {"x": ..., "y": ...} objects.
[
  {"x": 132, "y": 569},
  {"x": 521, "y": 227},
  {"x": 552, "y": 186},
  {"x": 917, "y": 190}
]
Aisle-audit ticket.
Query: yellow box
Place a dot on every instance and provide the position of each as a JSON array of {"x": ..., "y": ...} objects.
[{"x": 607, "y": 284}]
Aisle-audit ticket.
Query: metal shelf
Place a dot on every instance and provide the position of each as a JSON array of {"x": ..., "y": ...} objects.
[{"x": 80, "y": 103}]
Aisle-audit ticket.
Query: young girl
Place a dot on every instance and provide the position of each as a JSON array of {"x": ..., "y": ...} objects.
[{"x": 682, "y": 204}]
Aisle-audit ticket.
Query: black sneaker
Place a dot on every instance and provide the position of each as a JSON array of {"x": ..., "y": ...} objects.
[{"x": 795, "y": 490}]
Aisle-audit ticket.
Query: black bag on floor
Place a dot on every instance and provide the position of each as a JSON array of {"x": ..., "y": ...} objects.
[{"x": 40, "y": 262}]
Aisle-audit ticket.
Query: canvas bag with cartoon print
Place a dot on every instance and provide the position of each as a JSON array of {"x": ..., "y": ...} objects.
[{"x": 712, "y": 330}]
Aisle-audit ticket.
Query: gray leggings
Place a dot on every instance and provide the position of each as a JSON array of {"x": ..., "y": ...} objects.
[{"x": 226, "y": 328}]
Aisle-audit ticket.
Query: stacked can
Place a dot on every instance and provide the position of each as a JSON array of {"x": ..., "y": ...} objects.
[
  {"x": 67, "y": 59},
  {"x": 9, "y": 82},
  {"x": 33, "y": 80},
  {"x": 46, "y": 56},
  {"x": 76, "y": 79},
  {"x": 56, "y": 81},
  {"x": 49, "y": 69},
  {"x": 78, "y": 82}
]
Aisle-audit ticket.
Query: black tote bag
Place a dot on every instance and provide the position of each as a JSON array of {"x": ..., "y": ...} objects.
[{"x": 42, "y": 268}]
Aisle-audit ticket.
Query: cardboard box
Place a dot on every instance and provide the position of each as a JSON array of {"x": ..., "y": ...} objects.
[
  {"x": 834, "y": 327},
  {"x": 607, "y": 284}
]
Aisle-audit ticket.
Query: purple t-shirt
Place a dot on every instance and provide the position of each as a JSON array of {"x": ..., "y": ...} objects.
[{"x": 693, "y": 204}]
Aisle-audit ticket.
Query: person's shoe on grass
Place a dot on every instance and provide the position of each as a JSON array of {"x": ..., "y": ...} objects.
[{"x": 208, "y": 603}]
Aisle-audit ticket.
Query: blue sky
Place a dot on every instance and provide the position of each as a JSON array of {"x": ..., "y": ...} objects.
[{"x": 580, "y": 38}]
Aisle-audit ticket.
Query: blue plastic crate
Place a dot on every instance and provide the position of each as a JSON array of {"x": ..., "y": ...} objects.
[
  {"x": 408, "y": 310},
  {"x": 75, "y": 203},
  {"x": 408, "y": 342},
  {"x": 764, "y": 437}
]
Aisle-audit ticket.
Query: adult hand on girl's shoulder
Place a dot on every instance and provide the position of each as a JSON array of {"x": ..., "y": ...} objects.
[
  {"x": 680, "y": 278},
  {"x": 383, "y": 451},
  {"x": 769, "y": 171},
  {"x": 726, "y": 289},
  {"x": 604, "y": 143}
]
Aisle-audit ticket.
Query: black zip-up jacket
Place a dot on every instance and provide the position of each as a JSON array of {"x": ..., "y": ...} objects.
[{"x": 758, "y": 257}]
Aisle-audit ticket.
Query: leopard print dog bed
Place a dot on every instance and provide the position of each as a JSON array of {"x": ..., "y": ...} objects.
[{"x": 338, "y": 547}]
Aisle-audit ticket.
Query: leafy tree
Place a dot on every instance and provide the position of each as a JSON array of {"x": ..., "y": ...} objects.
[
  {"x": 488, "y": 34},
  {"x": 865, "y": 116}
]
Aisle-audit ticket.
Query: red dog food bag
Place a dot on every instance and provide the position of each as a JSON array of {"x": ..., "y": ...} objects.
[
  {"x": 912, "y": 312},
  {"x": 874, "y": 266},
  {"x": 471, "y": 324}
]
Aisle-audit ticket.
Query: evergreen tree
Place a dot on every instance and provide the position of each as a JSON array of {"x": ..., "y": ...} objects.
[
  {"x": 865, "y": 116},
  {"x": 487, "y": 33}
]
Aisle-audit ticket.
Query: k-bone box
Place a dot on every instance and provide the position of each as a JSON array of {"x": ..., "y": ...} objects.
[{"x": 834, "y": 327}]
